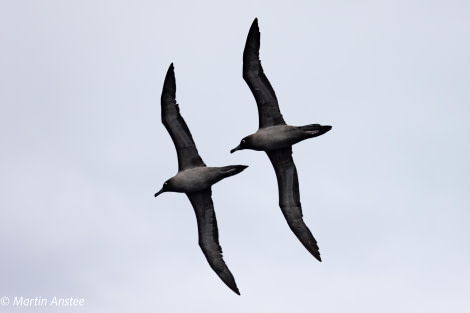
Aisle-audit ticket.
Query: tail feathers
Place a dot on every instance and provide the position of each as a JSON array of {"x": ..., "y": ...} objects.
[
  {"x": 231, "y": 170},
  {"x": 315, "y": 130}
]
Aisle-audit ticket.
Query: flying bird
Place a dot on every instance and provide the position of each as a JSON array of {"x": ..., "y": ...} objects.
[
  {"x": 276, "y": 138},
  {"x": 195, "y": 179}
]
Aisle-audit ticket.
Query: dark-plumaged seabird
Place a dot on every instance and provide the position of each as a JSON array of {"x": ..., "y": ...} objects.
[
  {"x": 276, "y": 139},
  {"x": 195, "y": 179}
]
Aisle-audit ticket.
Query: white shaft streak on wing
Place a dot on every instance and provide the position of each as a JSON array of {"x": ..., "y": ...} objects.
[
  {"x": 268, "y": 108},
  {"x": 186, "y": 150},
  {"x": 289, "y": 197},
  {"x": 209, "y": 235}
]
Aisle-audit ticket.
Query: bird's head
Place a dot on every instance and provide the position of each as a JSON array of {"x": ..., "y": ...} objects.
[
  {"x": 244, "y": 144},
  {"x": 167, "y": 186}
]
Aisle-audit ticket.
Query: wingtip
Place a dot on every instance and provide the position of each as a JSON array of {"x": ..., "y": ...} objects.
[
  {"x": 228, "y": 279},
  {"x": 315, "y": 251},
  {"x": 252, "y": 45},
  {"x": 234, "y": 288},
  {"x": 312, "y": 247},
  {"x": 169, "y": 85},
  {"x": 171, "y": 68},
  {"x": 254, "y": 25}
]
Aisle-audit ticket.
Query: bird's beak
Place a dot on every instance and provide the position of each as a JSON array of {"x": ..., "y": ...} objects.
[
  {"x": 235, "y": 149},
  {"x": 160, "y": 192}
]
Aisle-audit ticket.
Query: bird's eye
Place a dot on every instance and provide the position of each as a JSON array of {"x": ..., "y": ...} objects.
[
  {"x": 243, "y": 140},
  {"x": 165, "y": 184}
]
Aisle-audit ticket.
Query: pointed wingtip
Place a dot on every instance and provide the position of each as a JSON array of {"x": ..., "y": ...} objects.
[
  {"x": 315, "y": 251},
  {"x": 252, "y": 45},
  {"x": 254, "y": 25},
  {"x": 226, "y": 276},
  {"x": 311, "y": 245},
  {"x": 171, "y": 69},
  {"x": 169, "y": 85},
  {"x": 233, "y": 287}
]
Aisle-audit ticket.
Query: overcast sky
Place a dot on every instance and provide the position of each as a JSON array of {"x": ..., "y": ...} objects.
[{"x": 386, "y": 193}]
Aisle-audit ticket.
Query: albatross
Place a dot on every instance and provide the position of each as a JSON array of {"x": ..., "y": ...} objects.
[
  {"x": 276, "y": 138},
  {"x": 195, "y": 179}
]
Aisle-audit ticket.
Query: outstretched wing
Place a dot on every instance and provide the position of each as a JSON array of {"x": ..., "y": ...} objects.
[
  {"x": 209, "y": 235},
  {"x": 289, "y": 197},
  {"x": 268, "y": 108},
  {"x": 188, "y": 156}
]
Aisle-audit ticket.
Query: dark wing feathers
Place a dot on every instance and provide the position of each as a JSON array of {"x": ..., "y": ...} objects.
[
  {"x": 268, "y": 108},
  {"x": 209, "y": 235},
  {"x": 289, "y": 197},
  {"x": 188, "y": 156}
]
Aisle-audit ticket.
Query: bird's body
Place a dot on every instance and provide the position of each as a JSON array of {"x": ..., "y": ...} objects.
[
  {"x": 200, "y": 178},
  {"x": 195, "y": 179},
  {"x": 279, "y": 137},
  {"x": 276, "y": 138}
]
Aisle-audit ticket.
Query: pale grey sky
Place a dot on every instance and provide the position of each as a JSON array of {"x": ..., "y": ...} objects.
[{"x": 385, "y": 193}]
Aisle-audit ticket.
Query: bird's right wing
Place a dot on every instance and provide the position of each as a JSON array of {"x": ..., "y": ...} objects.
[
  {"x": 209, "y": 235},
  {"x": 289, "y": 197},
  {"x": 188, "y": 156},
  {"x": 268, "y": 108}
]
